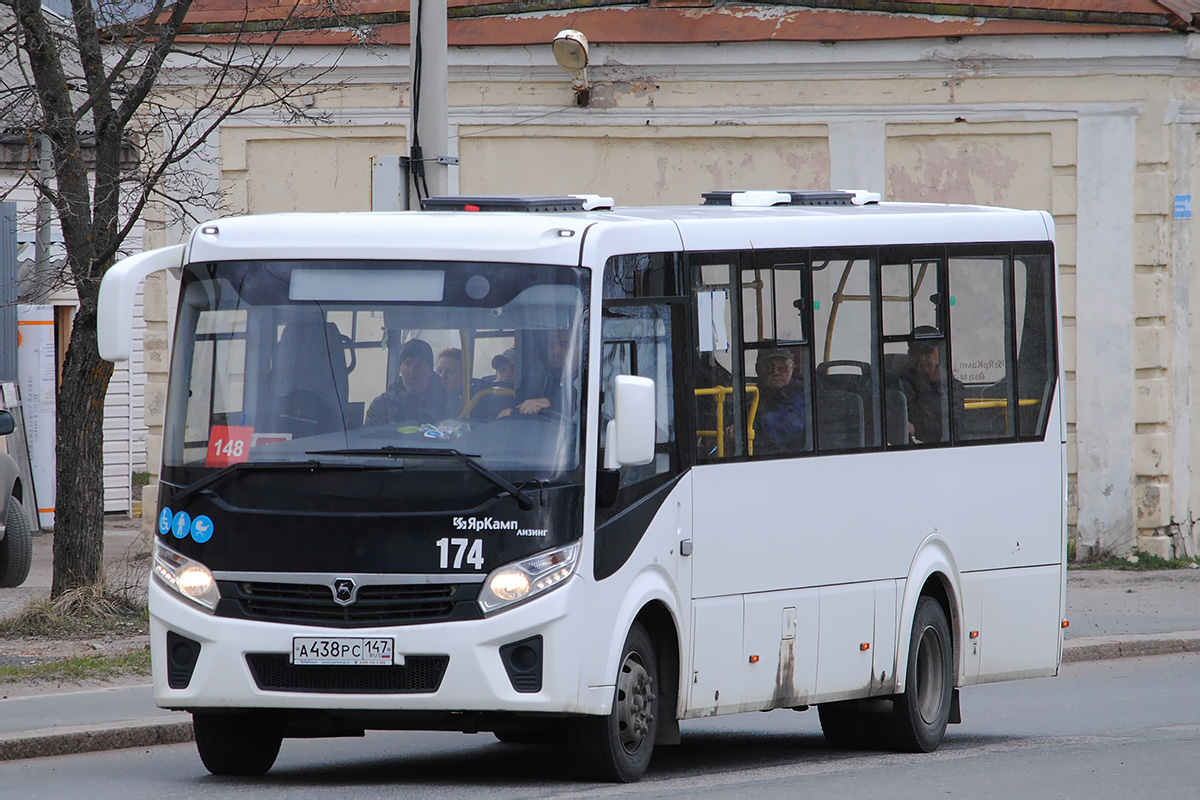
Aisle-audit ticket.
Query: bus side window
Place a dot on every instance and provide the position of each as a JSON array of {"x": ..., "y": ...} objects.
[
  {"x": 981, "y": 335},
  {"x": 637, "y": 340},
  {"x": 1037, "y": 362},
  {"x": 778, "y": 404},
  {"x": 916, "y": 393},
  {"x": 847, "y": 385}
]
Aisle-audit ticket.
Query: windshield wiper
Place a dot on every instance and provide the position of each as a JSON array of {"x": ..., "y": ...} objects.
[
  {"x": 388, "y": 451},
  {"x": 184, "y": 494}
]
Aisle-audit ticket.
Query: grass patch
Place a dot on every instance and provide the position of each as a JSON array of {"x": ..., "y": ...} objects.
[
  {"x": 84, "y": 612},
  {"x": 81, "y": 668},
  {"x": 1144, "y": 563}
]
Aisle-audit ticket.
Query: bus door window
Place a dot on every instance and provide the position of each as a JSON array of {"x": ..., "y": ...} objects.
[
  {"x": 717, "y": 375},
  {"x": 981, "y": 333},
  {"x": 847, "y": 386},
  {"x": 639, "y": 339},
  {"x": 1034, "y": 315},
  {"x": 916, "y": 376},
  {"x": 776, "y": 356}
]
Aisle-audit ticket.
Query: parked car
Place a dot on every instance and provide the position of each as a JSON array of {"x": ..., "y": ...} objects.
[{"x": 16, "y": 539}]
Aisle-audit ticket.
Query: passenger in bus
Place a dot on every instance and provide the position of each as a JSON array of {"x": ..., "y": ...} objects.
[
  {"x": 449, "y": 368},
  {"x": 505, "y": 368},
  {"x": 924, "y": 388},
  {"x": 417, "y": 394},
  {"x": 780, "y": 421},
  {"x": 551, "y": 394}
]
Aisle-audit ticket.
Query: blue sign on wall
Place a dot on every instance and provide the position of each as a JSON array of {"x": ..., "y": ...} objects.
[{"x": 1183, "y": 206}]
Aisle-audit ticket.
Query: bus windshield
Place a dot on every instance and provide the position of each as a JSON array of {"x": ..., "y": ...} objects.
[{"x": 350, "y": 363}]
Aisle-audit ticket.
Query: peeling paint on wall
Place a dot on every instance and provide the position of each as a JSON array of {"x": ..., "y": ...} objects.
[{"x": 990, "y": 170}]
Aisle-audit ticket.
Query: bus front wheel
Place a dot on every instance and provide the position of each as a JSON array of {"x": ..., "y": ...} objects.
[
  {"x": 237, "y": 744},
  {"x": 920, "y": 714},
  {"x": 618, "y": 747}
]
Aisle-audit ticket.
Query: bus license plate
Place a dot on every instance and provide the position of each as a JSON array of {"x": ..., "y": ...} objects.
[{"x": 344, "y": 651}]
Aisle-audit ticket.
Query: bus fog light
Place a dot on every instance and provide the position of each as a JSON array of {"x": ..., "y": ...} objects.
[
  {"x": 528, "y": 577},
  {"x": 185, "y": 576}
]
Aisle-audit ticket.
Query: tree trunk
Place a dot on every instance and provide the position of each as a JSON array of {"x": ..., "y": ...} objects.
[{"x": 79, "y": 513}]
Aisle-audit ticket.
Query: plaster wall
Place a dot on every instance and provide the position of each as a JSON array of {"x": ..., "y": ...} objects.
[{"x": 1067, "y": 125}]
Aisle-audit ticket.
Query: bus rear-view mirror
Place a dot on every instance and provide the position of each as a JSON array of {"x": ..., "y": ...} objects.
[{"x": 630, "y": 435}]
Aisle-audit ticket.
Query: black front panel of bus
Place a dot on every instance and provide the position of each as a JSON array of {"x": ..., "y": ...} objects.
[{"x": 355, "y": 522}]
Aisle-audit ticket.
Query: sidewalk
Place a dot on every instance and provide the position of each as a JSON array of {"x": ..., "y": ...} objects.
[{"x": 1112, "y": 614}]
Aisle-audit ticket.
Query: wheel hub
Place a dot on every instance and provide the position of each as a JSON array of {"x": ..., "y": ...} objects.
[{"x": 635, "y": 703}]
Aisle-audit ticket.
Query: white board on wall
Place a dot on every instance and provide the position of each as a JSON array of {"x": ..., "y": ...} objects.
[{"x": 36, "y": 373}]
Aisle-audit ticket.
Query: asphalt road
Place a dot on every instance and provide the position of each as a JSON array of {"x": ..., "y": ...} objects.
[{"x": 1111, "y": 729}]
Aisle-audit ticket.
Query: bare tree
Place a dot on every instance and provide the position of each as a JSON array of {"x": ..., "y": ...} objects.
[{"x": 93, "y": 86}]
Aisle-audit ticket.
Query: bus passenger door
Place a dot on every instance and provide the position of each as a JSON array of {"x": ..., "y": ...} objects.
[{"x": 653, "y": 504}]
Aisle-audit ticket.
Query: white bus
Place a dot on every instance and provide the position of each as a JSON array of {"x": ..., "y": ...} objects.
[{"x": 574, "y": 473}]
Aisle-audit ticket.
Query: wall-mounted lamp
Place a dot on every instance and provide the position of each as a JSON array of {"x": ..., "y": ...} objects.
[{"x": 571, "y": 53}]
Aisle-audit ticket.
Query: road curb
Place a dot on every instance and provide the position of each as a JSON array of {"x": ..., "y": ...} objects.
[
  {"x": 1102, "y": 648},
  {"x": 94, "y": 738}
]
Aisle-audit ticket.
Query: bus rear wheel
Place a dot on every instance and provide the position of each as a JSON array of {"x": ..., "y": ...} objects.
[
  {"x": 920, "y": 714},
  {"x": 237, "y": 744},
  {"x": 618, "y": 747}
]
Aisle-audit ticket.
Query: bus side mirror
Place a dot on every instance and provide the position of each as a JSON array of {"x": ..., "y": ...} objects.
[
  {"x": 118, "y": 290},
  {"x": 7, "y": 423},
  {"x": 629, "y": 440}
]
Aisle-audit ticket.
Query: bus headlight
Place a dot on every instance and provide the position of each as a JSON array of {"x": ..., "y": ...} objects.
[
  {"x": 190, "y": 578},
  {"x": 528, "y": 577}
]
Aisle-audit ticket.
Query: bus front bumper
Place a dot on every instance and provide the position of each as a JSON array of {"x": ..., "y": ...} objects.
[{"x": 474, "y": 678}]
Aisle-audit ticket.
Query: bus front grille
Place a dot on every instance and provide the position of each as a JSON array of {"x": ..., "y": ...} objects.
[
  {"x": 375, "y": 605},
  {"x": 273, "y": 672}
]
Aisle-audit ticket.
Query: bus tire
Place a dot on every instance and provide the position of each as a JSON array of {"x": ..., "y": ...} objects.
[
  {"x": 617, "y": 747},
  {"x": 921, "y": 713},
  {"x": 16, "y": 548},
  {"x": 237, "y": 744}
]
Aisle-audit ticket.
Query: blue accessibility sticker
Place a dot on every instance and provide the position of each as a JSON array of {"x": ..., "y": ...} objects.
[
  {"x": 181, "y": 524},
  {"x": 164, "y": 521},
  {"x": 202, "y": 529}
]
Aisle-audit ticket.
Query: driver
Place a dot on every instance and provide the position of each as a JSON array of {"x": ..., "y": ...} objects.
[
  {"x": 551, "y": 395},
  {"x": 417, "y": 395}
]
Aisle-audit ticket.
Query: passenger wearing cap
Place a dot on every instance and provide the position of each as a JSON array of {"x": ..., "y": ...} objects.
[
  {"x": 780, "y": 422},
  {"x": 417, "y": 394},
  {"x": 924, "y": 388}
]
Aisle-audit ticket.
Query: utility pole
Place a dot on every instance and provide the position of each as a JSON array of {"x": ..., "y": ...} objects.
[
  {"x": 42, "y": 271},
  {"x": 427, "y": 62}
]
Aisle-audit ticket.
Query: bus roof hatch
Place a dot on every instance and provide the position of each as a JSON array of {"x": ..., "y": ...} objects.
[
  {"x": 791, "y": 197},
  {"x": 545, "y": 203}
]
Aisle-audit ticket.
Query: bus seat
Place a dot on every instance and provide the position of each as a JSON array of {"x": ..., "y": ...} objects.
[
  {"x": 896, "y": 405},
  {"x": 893, "y": 366},
  {"x": 839, "y": 421},
  {"x": 311, "y": 379},
  {"x": 854, "y": 377}
]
